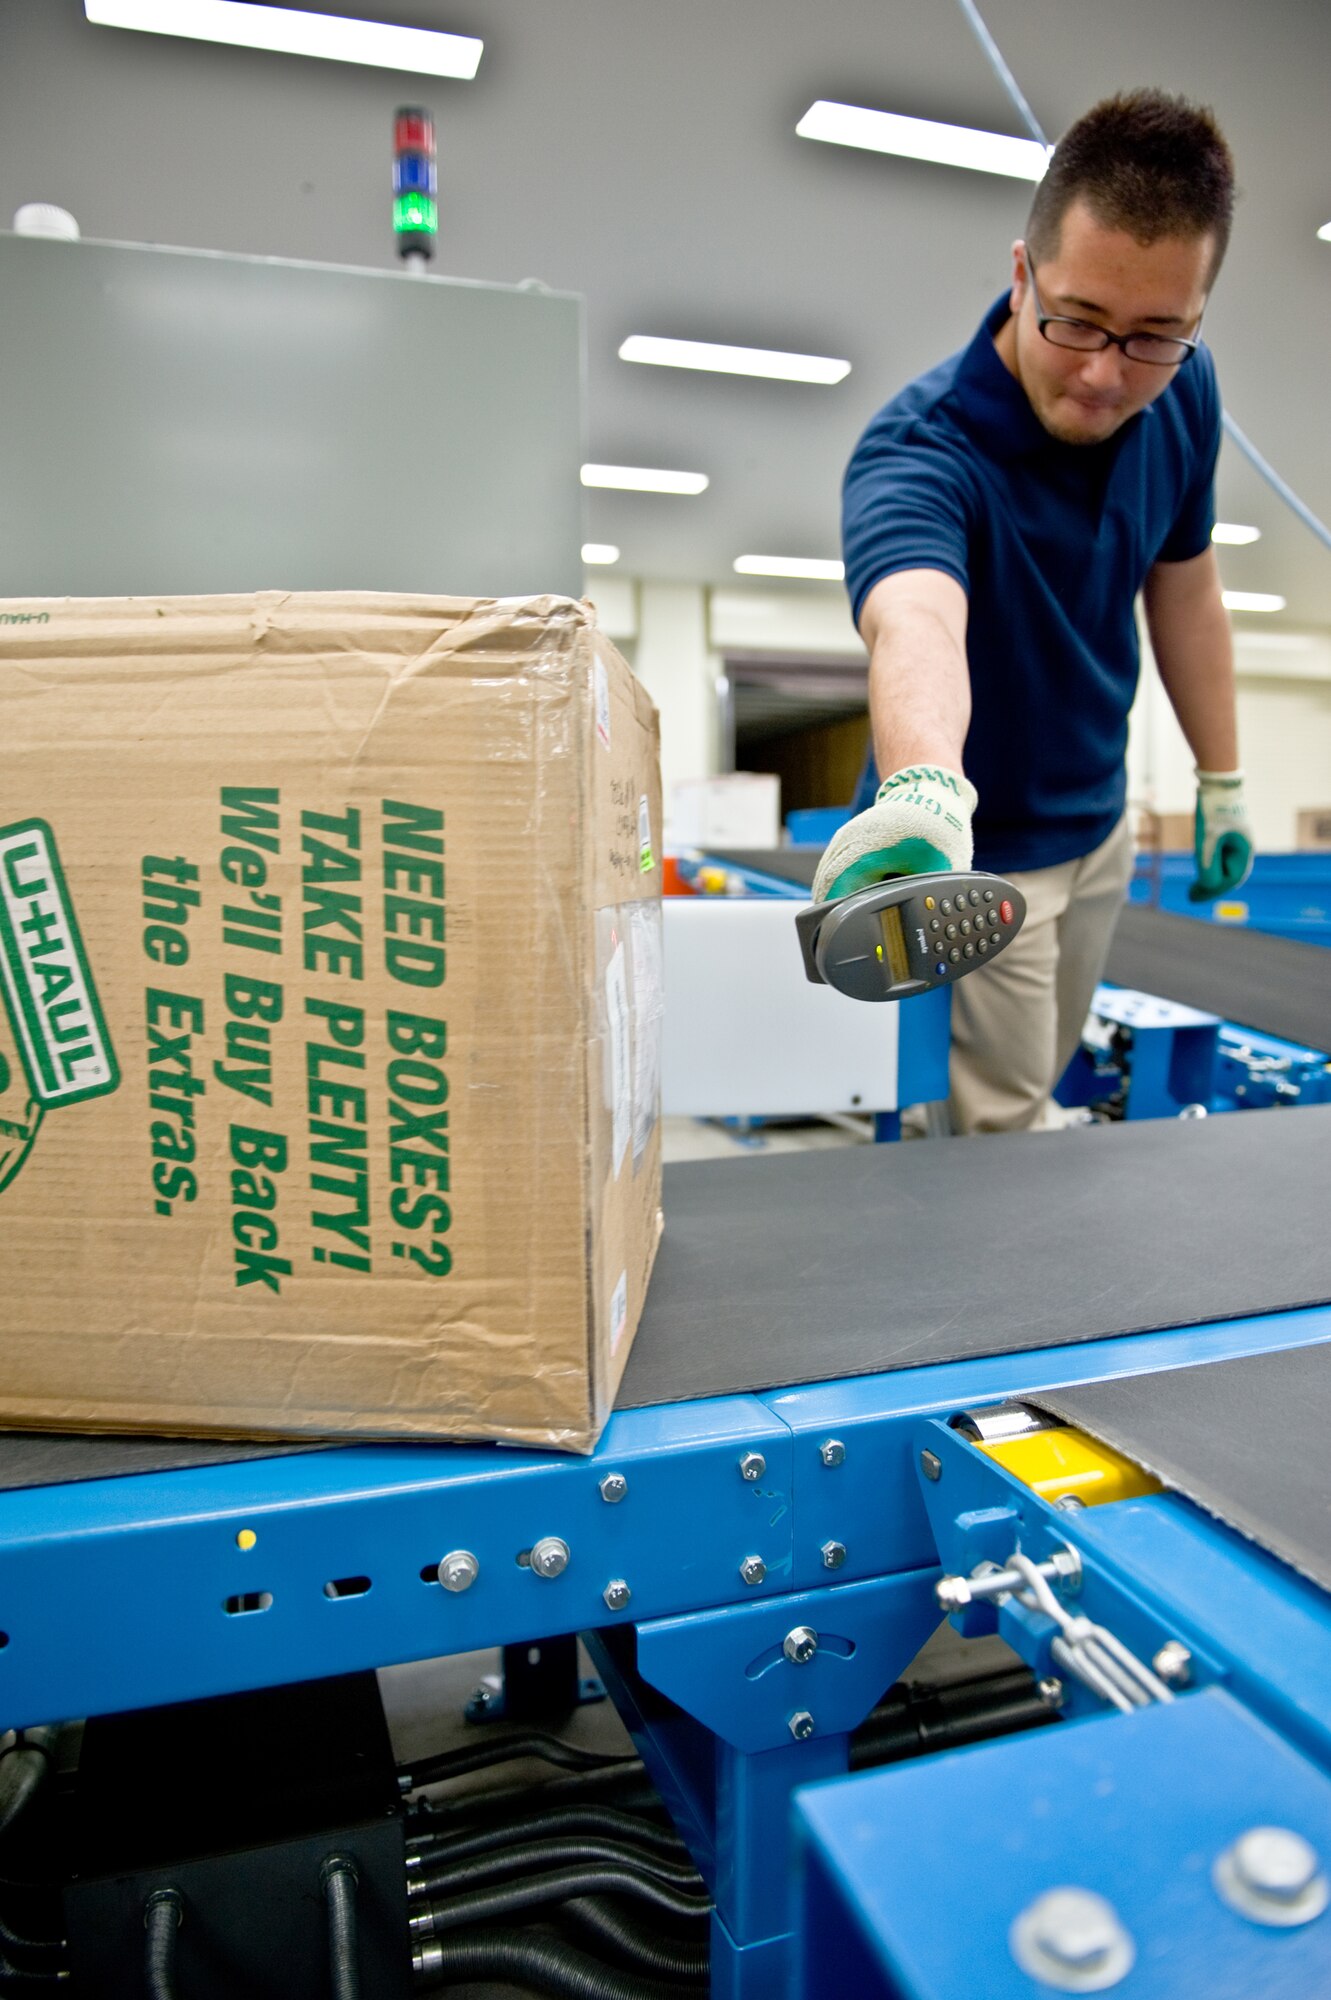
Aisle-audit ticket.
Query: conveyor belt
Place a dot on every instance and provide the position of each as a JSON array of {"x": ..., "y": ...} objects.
[
  {"x": 1267, "y": 983},
  {"x": 1245, "y": 1439},
  {"x": 812, "y": 1266}
]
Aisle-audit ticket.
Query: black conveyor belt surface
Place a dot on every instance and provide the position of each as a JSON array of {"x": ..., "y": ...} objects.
[
  {"x": 811, "y": 1266},
  {"x": 815, "y": 1265},
  {"x": 1267, "y": 983},
  {"x": 53, "y": 1458},
  {"x": 1245, "y": 1439}
]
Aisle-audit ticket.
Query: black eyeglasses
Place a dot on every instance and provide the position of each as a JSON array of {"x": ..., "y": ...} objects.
[{"x": 1153, "y": 348}]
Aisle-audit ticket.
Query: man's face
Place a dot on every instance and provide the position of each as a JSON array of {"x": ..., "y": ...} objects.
[{"x": 1103, "y": 276}]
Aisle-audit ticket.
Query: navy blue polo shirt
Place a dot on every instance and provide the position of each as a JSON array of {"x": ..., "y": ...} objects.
[{"x": 1051, "y": 543}]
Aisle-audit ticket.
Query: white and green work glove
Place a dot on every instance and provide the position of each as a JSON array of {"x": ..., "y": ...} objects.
[
  {"x": 919, "y": 822},
  {"x": 1222, "y": 837}
]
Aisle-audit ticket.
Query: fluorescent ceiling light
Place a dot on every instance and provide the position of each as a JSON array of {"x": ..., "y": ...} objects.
[
  {"x": 1251, "y": 600},
  {"x": 1235, "y": 534},
  {"x": 706, "y": 354},
  {"x": 922, "y": 139},
  {"x": 1324, "y": 233},
  {"x": 643, "y": 479},
  {"x": 599, "y": 552},
  {"x": 424, "y": 51},
  {"x": 811, "y": 567}
]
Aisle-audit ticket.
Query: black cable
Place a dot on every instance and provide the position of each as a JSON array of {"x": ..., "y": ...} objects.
[
  {"x": 481, "y": 1870},
  {"x": 24, "y": 1768},
  {"x": 481, "y": 1906},
  {"x": 339, "y": 1885},
  {"x": 14, "y": 1980},
  {"x": 545, "y": 1965},
  {"x": 162, "y": 1915},
  {"x": 444, "y": 1846},
  {"x": 15, "y": 1942},
  {"x": 914, "y": 1720},
  {"x": 504, "y": 1750},
  {"x": 641, "y": 1950},
  {"x": 627, "y": 1786}
]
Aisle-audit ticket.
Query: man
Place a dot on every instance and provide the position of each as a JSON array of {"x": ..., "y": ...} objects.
[{"x": 1001, "y": 516}]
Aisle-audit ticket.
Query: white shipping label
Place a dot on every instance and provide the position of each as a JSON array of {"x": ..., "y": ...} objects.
[
  {"x": 601, "y": 689},
  {"x": 619, "y": 1311},
  {"x": 621, "y": 1066}
]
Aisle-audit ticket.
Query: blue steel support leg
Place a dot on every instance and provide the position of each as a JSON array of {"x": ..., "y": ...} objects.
[
  {"x": 886, "y": 1127},
  {"x": 753, "y": 1795}
]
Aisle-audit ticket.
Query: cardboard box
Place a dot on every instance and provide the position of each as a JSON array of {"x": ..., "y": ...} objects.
[
  {"x": 741, "y": 809},
  {"x": 1313, "y": 830},
  {"x": 1164, "y": 833},
  {"x": 329, "y": 1065}
]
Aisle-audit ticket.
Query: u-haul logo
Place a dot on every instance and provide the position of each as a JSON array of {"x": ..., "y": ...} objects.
[{"x": 48, "y": 985}]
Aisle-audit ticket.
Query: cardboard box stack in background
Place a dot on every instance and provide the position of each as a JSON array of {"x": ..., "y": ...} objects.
[{"x": 329, "y": 1061}]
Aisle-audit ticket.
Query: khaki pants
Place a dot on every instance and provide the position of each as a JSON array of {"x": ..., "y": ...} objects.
[{"x": 1016, "y": 1025}]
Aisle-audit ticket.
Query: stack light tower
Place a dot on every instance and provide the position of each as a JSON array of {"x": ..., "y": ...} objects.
[{"x": 415, "y": 185}]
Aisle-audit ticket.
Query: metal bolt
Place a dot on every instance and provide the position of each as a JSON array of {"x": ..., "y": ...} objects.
[
  {"x": 1073, "y": 1940},
  {"x": 1273, "y": 1876},
  {"x": 931, "y": 1465},
  {"x": 753, "y": 1570},
  {"x": 832, "y": 1452},
  {"x": 458, "y": 1570},
  {"x": 1173, "y": 1663},
  {"x": 801, "y": 1725},
  {"x": 800, "y": 1645},
  {"x": 1050, "y": 1691},
  {"x": 613, "y": 1488},
  {"x": 549, "y": 1556},
  {"x": 1070, "y": 1503},
  {"x": 833, "y": 1554},
  {"x": 616, "y": 1594},
  {"x": 752, "y": 1465},
  {"x": 481, "y": 1698}
]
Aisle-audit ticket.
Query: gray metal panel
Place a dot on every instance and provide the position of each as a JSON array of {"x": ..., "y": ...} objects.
[
  {"x": 817, "y": 1265},
  {"x": 1246, "y": 1439},
  {"x": 179, "y": 422}
]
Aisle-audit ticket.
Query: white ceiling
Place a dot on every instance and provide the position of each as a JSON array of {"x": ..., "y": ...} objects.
[{"x": 643, "y": 153}]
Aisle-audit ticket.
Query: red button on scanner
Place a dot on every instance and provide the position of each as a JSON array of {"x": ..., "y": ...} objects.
[{"x": 1005, "y": 911}]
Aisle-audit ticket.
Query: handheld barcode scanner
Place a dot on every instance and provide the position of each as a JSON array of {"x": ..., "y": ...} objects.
[{"x": 906, "y": 936}]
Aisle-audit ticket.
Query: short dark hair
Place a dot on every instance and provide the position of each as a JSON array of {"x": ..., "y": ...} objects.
[{"x": 1143, "y": 162}]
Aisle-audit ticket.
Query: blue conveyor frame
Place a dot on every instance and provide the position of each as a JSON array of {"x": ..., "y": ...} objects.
[{"x": 131, "y": 1592}]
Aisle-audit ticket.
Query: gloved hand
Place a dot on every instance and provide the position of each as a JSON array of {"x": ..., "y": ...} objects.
[
  {"x": 920, "y": 820},
  {"x": 1222, "y": 837}
]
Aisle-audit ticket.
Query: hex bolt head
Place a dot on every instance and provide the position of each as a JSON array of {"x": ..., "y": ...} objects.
[
  {"x": 800, "y": 1645},
  {"x": 1050, "y": 1691},
  {"x": 616, "y": 1595},
  {"x": 1173, "y": 1663},
  {"x": 833, "y": 1554},
  {"x": 931, "y": 1465},
  {"x": 613, "y": 1488},
  {"x": 801, "y": 1725},
  {"x": 1274, "y": 1876},
  {"x": 752, "y": 1465},
  {"x": 832, "y": 1452},
  {"x": 549, "y": 1556},
  {"x": 1073, "y": 1940},
  {"x": 753, "y": 1570},
  {"x": 458, "y": 1570}
]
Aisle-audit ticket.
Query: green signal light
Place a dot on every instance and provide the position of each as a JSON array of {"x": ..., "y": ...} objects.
[{"x": 415, "y": 215}]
